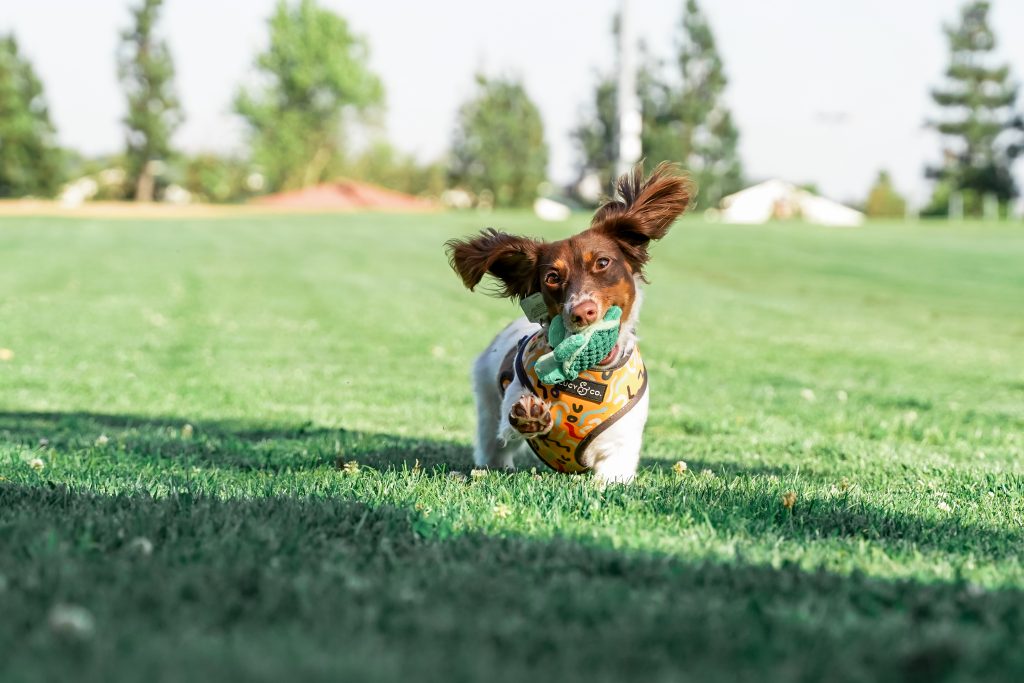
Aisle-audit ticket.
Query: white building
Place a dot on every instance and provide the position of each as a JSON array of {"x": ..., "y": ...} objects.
[{"x": 777, "y": 199}]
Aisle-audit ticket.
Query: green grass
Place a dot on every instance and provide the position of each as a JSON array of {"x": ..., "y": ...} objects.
[{"x": 197, "y": 383}]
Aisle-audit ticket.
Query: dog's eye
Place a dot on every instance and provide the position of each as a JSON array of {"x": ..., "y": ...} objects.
[
  {"x": 552, "y": 278},
  {"x": 603, "y": 262}
]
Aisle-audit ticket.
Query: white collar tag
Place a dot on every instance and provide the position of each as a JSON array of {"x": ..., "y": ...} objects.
[{"x": 534, "y": 307}]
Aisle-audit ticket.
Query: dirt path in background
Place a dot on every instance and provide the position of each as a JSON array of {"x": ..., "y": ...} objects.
[
  {"x": 33, "y": 207},
  {"x": 343, "y": 196}
]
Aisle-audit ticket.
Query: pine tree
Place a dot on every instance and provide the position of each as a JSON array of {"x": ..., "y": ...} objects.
[
  {"x": 316, "y": 72},
  {"x": 883, "y": 200},
  {"x": 684, "y": 120},
  {"x": 30, "y": 161},
  {"x": 499, "y": 143},
  {"x": 154, "y": 113},
  {"x": 708, "y": 136},
  {"x": 982, "y": 130},
  {"x": 597, "y": 137}
]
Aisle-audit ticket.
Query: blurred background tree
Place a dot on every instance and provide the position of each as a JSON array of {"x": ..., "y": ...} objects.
[
  {"x": 707, "y": 139},
  {"x": 982, "y": 130},
  {"x": 381, "y": 163},
  {"x": 30, "y": 160},
  {"x": 685, "y": 118},
  {"x": 316, "y": 73},
  {"x": 499, "y": 145},
  {"x": 214, "y": 178},
  {"x": 883, "y": 200},
  {"x": 154, "y": 112},
  {"x": 597, "y": 134}
]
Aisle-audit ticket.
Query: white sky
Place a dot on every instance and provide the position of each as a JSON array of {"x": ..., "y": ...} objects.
[{"x": 823, "y": 90}]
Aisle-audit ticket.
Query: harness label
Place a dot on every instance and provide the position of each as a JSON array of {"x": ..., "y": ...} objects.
[
  {"x": 588, "y": 390},
  {"x": 534, "y": 307}
]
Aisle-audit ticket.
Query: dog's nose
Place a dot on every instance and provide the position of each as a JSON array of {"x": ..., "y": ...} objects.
[{"x": 584, "y": 314}]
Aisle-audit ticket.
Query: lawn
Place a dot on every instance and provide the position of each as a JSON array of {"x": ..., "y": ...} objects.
[{"x": 240, "y": 448}]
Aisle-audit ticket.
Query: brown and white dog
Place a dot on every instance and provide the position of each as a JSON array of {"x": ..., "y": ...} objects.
[{"x": 580, "y": 278}]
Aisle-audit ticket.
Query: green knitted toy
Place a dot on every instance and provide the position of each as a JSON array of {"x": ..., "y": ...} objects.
[{"x": 575, "y": 353}]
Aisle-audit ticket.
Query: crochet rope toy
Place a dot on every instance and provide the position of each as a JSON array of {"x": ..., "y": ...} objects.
[{"x": 575, "y": 353}]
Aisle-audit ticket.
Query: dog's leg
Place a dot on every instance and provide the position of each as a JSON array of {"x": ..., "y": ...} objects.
[
  {"x": 523, "y": 415},
  {"x": 615, "y": 454},
  {"x": 491, "y": 451},
  {"x": 488, "y": 451},
  {"x": 494, "y": 448},
  {"x": 530, "y": 416}
]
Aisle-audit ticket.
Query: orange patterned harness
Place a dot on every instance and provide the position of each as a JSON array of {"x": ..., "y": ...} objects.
[{"x": 581, "y": 408}]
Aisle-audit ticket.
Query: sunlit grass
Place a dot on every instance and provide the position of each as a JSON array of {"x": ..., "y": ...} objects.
[{"x": 280, "y": 407}]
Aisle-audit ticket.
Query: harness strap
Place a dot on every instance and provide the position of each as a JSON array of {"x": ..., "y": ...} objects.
[{"x": 583, "y": 408}]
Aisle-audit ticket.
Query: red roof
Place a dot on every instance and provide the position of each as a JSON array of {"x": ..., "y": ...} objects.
[{"x": 347, "y": 194}]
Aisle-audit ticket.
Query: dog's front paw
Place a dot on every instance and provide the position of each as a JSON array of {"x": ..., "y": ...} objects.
[{"x": 530, "y": 417}]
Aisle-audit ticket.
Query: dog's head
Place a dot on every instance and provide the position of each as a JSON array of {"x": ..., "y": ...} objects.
[{"x": 583, "y": 276}]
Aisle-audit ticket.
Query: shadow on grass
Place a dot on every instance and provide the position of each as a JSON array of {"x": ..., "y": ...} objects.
[
  {"x": 304, "y": 588},
  {"x": 734, "y": 503},
  {"x": 229, "y": 443}
]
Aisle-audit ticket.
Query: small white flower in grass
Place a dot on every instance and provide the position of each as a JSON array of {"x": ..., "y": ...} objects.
[
  {"x": 910, "y": 417},
  {"x": 72, "y": 621},
  {"x": 973, "y": 590},
  {"x": 842, "y": 396},
  {"x": 680, "y": 467},
  {"x": 501, "y": 511},
  {"x": 437, "y": 352},
  {"x": 44, "y": 442},
  {"x": 141, "y": 546},
  {"x": 351, "y": 467},
  {"x": 187, "y": 431},
  {"x": 6, "y": 354},
  {"x": 102, "y": 440},
  {"x": 37, "y": 464},
  {"x": 807, "y": 394},
  {"x": 478, "y": 473},
  {"x": 944, "y": 506}
]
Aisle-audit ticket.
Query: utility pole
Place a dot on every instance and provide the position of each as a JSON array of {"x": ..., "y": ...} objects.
[{"x": 630, "y": 121}]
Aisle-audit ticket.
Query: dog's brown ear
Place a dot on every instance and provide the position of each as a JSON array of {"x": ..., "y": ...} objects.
[
  {"x": 645, "y": 211},
  {"x": 512, "y": 260}
]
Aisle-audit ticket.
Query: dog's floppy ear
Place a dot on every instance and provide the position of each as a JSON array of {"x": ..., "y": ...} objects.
[
  {"x": 646, "y": 210},
  {"x": 512, "y": 260}
]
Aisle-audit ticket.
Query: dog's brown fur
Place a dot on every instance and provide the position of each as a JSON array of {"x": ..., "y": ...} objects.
[{"x": 603, "y": 259}]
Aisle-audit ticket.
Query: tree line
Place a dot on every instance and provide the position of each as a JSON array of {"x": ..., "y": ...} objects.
[{"x": 315, "y": 88}]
